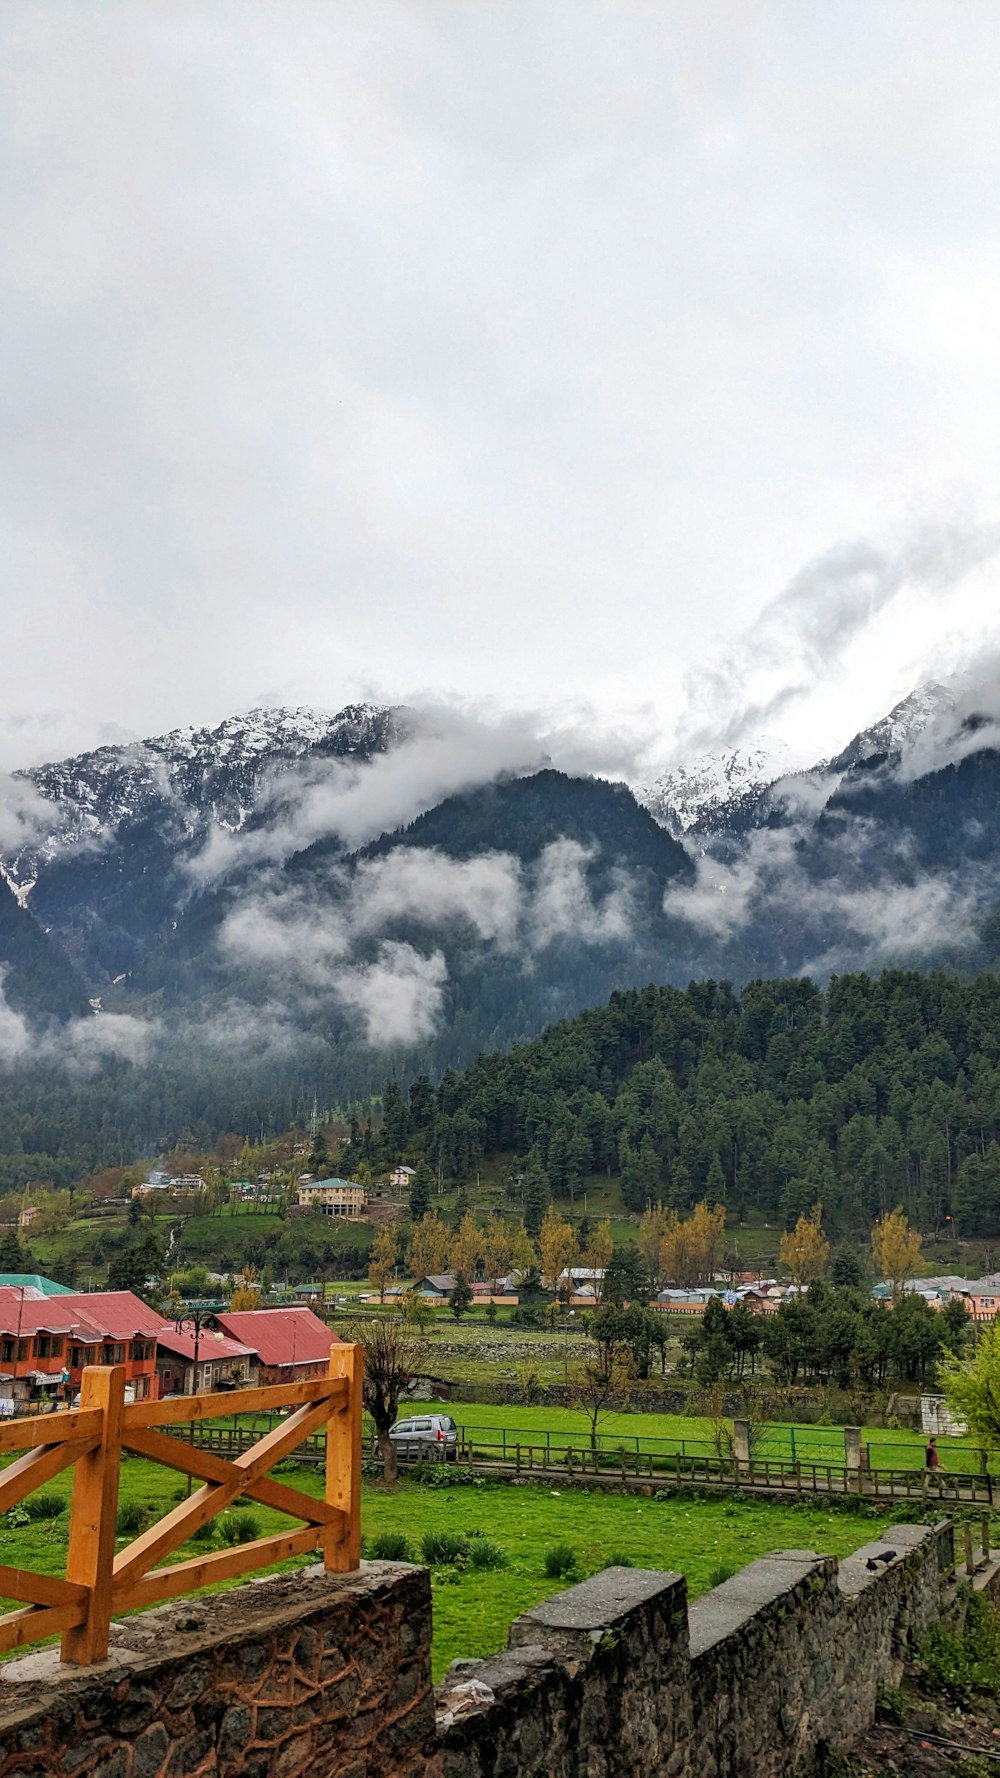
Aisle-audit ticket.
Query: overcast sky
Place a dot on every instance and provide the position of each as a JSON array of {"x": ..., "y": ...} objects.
[{"x": 638, "y": 356}]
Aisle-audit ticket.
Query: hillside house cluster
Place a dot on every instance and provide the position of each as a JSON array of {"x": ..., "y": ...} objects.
[{"x": 48, "y": 1335}]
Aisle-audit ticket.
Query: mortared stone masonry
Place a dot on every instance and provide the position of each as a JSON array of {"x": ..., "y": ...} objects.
[{"x": 315, "y": 1675}]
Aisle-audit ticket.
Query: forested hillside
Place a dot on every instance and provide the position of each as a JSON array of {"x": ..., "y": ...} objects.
[{"x": 874, "y": 1092}]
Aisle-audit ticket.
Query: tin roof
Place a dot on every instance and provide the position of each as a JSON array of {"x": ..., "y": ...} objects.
[{"x": 279, "y": 1336}]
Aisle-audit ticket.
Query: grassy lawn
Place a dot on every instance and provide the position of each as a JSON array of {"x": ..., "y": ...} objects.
[
  {"x": 472, "y": 1609},
  {"x": 819, "y": 1444}
]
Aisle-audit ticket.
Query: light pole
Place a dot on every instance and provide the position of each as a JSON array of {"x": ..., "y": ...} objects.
[{"x": 192, "y": 1321}]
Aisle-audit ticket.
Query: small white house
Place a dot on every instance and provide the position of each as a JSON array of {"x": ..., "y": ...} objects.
[{"x": 401, "y": 1175}]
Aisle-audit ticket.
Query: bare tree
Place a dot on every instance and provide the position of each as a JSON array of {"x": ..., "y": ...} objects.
[
  {"x": 595, "y": 1380},
  {"x": 392, "y": 1361}
]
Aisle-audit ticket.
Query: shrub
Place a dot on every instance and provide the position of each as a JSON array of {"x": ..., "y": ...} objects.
[
  {"x": 239, "y": 1527},
  {"x": 443, "y": 1546},
  {"x": 719, "y": 1574},
  {"x": 484, "y": 1553},
  {"x": 618, "y": 1559},
  {"x": 559, "y": 1560},
  {"x": 44, "y": 1506},
  {"x": 961, "y": 1661},
  {"x": 131, "y": 1518},
  {"x": 204, "y": 1533},
  {"x": 390, "y": 1546},
  {"x": 445, "y": 1475}
]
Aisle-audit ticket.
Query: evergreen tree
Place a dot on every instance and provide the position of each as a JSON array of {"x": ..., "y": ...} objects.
[
  {"x": 536, "y": 1194},
  {"x": 420, "y": 1190}
]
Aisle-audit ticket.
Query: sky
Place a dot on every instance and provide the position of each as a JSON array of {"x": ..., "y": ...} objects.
[{"x": 636, "y": 363}]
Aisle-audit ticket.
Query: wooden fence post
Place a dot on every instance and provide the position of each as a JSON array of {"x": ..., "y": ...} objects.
[
  {"x": 93, "y": 1515},
  {"x": 343, "y": 1462}
]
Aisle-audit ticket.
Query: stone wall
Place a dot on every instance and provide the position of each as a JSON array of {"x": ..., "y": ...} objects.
[
  {"x": 618, "y": 1678},
  {"x": 305, "y": 1673},
  {"x": 327, "y": 1675}
]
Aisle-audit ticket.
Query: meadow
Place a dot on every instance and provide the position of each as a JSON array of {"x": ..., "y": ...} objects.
[{"x": 472, "y": 1607}]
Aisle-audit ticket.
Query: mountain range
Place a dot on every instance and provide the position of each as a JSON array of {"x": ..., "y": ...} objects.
[{"x": 232, "y": 915}]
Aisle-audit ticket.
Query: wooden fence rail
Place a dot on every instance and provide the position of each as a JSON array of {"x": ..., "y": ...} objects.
[{"x": 100, "y": 1583}]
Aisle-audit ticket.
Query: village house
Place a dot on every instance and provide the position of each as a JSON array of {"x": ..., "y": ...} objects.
[
  {"x": 46, "y": 1342},
  {"x": 332, "y": 1197},
  {"x": 401, "y": 1175},
  {"x": 187, "y": 1364},
  {"x": 289, "y": 1343}
]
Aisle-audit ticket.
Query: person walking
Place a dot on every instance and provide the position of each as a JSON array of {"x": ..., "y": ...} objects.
[{"x": 931, "y": 1456}]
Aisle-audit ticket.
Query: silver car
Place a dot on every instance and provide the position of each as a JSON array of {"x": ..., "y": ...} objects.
[{"x": 425, "y": 1438}]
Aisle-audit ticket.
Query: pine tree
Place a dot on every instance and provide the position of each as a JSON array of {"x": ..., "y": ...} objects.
[
  {"x": 420, "y": 1191},
  {"x": 536, "y": 1194}
]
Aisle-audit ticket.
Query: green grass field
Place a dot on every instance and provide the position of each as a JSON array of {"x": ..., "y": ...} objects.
[
  {"x": 695, "y": 1435},
  {"x": 473, "y": 1609}
]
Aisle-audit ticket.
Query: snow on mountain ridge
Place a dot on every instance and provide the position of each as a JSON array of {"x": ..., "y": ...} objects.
[
  {"x": 895, "y": 733},
  {"x": 190, "y": 776},
  {"x": 683, "y": 795}
]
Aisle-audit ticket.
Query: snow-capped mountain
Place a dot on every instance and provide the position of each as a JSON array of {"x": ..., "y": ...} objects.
[
  {"x": 892, "y": 735},
  {"x": 188, "y": 778},
  {"x": 698, "y": 793}
]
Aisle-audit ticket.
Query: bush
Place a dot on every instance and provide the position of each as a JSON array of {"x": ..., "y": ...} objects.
[
  {"x": 560, "y": 1560},
  {"x": 204, "y": 1533},
  {"x": 484, "y": 1553},
  {"x": 239, "y": 1527},
  {"x": 443, "y": 1546},
  {"x": 131, "y": 1518},
  {"x": 719, "y": 1574},
  {"x": 445, "y": 1475},
  {"x": 959, "y": 1662},
  {"x": 390, "y": 1546},
  {"x": 618, "y": 1559},
  {"x": 44, "y": 1506}
]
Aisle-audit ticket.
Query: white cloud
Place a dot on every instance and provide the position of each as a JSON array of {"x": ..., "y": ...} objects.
[
  {"x": 498, "y": 348},
  {"x": 399, "y": 997}
]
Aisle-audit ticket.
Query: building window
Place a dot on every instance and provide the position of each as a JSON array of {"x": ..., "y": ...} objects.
[
  {"x": 113, "y": 1355},
  {"x": 48, "y": 1346},
  {"x": 76, "y": 1357}
]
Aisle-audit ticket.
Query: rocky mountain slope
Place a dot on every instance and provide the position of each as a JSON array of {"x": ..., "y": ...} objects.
[
  {"x": 698, "y": 793},
  {"x": 187, "y": 779},
  {"x": 487, "y": 914}
]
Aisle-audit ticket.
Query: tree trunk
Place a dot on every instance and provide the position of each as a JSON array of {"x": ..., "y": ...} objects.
[{"x": 387, "y": 1451}]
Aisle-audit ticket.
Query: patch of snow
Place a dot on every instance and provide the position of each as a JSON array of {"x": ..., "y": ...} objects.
[{"x": 682, "y": 795}]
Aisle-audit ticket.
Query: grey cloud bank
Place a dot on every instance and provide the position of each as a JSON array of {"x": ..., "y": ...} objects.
[{"x": 515, "y": 350}]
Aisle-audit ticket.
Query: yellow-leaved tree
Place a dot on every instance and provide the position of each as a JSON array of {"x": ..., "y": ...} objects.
[
  {"x": 246, "y": 1290},
  {"x": 805, "y": 1252},
  {"x": 430, "y": 1242},
  {"x": 896, "y": 1250},
  {"x": 497, "y": 1250},
  {"x": 524, "y": 1253},
  {"x": 597, "y": 1254},
  {"x": 689, "y": 1250},
  {"x": 557, "y": 1246},
  {"x": 382, "y": 1261},
  {"x": 466, "y": 1247},
  {"x": 654, "y": 1226}
]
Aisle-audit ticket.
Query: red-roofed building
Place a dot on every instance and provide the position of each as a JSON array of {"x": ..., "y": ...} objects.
[
  {"x": 290, "y": 1343},
  {"x": 186, "y": 1365},
  {"x": 46, "y": 1341}
]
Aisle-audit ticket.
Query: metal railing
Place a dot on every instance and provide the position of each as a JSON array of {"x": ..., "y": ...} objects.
[
  {"x": 99, "y": 1583},
  {"x": 506, "y": 1451}
]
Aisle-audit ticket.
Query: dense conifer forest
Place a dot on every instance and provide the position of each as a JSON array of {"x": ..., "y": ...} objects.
[{"x": 870, "y": 1093}]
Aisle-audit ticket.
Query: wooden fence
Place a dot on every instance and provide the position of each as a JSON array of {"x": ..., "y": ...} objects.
[{"x": 100, "y": 1583}]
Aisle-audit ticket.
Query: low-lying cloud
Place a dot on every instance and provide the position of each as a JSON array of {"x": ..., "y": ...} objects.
[
  {"x": 450, "y": 751},
  {"x": 802, "y": 636},
  {"x": 319, "y": 938},
  {"x": 864, "y": 914}
]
